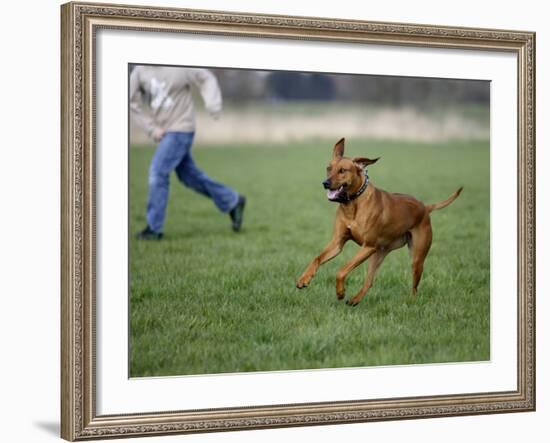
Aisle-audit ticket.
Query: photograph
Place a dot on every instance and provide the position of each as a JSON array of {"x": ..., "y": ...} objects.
[
  {"x": 275, "y": 221},
  {"x": 289, "y": 220},
  {"x": 280, "y": 220}
]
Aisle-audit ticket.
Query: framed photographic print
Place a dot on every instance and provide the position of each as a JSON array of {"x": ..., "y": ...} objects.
[{"x": 284, "y": 221}]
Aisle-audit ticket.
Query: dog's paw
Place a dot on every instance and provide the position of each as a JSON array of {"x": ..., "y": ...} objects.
[
  {"x": 340, "y": 296},
  {"x": 352, "y": 302},
  {"x": 304, "y": 280}
]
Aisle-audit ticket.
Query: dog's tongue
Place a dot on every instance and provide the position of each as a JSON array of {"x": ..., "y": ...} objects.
[{"x": 332, "y": 193}]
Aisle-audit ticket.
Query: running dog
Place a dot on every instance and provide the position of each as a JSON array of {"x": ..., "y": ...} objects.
[{"x": 378, "y": 221}]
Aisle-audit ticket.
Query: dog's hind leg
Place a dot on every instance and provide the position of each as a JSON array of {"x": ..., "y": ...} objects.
[{"x": 419, "y": 246}]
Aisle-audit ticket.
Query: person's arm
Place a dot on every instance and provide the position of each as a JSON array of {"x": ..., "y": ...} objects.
[
  {"x": 208, "y": 86},
  {"x": 142, "y": 117}
]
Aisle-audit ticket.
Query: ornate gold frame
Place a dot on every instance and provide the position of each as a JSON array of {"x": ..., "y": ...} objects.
[{"x": 79, "y": 22}]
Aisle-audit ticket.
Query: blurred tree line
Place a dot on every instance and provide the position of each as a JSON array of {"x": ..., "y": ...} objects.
[
  {"x": 242, "y": 85},
  {"x": 248, "y": 85}
]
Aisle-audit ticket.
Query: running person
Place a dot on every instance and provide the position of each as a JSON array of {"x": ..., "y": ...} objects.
[{"x": 170, "y": 121}]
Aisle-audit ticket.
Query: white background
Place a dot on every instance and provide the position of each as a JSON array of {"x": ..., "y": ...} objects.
[{"x": 29, "y": 250}]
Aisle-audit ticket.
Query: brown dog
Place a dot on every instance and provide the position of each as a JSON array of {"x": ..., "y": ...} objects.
[{"x": 378, "y": 221}]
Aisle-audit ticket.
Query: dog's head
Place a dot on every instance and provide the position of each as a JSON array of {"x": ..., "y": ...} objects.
[{"x": 344, "y": 174}]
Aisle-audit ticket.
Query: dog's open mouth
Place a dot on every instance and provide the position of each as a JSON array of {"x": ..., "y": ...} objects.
[{"x": 337, "y": 195}]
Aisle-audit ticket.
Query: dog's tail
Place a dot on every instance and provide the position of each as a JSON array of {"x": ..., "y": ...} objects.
[{"x": 445, "y": 203}]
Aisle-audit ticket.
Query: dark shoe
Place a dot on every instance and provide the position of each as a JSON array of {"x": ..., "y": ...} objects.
[
  {"x": 236, "y": 214},
  {"x": 148, "y": 234}
]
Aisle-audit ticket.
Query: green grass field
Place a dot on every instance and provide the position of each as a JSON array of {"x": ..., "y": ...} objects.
[{"x": 207, "y": 300}]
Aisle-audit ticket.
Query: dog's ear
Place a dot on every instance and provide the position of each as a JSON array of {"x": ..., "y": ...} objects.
[
  {"x": 363, "y": 162},
  {"x": 338, "y": 150}
]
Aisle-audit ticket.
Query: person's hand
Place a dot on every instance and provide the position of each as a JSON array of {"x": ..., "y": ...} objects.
[{"x": 157, "y": 134}]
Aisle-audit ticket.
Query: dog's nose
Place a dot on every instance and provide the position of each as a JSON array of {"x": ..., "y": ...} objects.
[{"x": 326, "y": 183}]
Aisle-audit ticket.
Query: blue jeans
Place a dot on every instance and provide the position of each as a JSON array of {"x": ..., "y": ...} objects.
[{"x": 174, "y": 153}]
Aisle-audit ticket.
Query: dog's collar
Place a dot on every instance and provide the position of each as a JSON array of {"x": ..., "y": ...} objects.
[{"x": 361, "y": 189}]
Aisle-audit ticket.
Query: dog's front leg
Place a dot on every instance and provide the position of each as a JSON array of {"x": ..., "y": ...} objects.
[
  {"x": 330, "y": 251},
  {"x": 364, "y": 253}
]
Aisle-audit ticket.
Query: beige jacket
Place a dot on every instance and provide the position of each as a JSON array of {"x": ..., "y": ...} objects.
[{"x": 168, "y": 89}]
